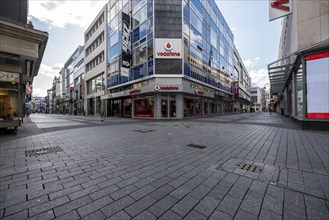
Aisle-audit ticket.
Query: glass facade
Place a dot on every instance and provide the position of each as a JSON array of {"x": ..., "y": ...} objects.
[
  {"x": 129, "y": 41},
  {"x": 208, "y": 44}
]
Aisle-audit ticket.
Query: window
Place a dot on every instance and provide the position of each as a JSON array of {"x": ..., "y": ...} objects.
[
  {"x": 140, "y": 16},
  {"x": 196, "y": 22}
]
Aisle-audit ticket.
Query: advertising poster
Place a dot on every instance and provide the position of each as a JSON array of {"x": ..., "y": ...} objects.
[
  {"x": 126, "y": 53},
  {"x": 317, "y": 75}
]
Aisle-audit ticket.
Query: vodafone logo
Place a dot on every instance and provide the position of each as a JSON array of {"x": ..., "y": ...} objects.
[
  {"x": 168, "y": 46},
  {"x": 156, "y": 88}
]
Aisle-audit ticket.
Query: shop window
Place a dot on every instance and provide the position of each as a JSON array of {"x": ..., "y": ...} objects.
[
  {"x": 144, "y": 107},
  {"x": 9, "y": 95},
  {"x": 188, "y": 107}
]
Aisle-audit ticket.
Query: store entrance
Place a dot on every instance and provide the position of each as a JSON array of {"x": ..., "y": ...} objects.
[
  {"x": 119, "y": 107},
  {"x": 168, "y": 106}
]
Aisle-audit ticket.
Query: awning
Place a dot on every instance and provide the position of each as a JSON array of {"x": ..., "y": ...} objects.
[{"x": 279, "y": 72}]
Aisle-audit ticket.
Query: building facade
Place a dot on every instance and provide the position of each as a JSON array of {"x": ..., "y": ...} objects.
[
  {"x": 79, "y": 87},
  {"x": 21, "y": 51},
  {"x": 300, "y": 77},
  {"x": 241, "y": 84},
  {"x": 95, "y": 65},
  {"x": 258, "y": 99},
  {"x": 164, "y": 61}
]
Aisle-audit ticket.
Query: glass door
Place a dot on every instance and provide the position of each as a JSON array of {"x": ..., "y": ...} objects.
[{"x": 164, "y": 108}]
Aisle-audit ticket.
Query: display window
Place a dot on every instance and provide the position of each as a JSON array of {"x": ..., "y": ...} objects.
[
  {"x": 9, "y": 94},
  {"x": 144, "y": 107}
]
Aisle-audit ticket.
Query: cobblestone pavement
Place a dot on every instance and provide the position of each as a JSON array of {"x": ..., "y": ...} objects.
[{"x": 243, "y": 166}]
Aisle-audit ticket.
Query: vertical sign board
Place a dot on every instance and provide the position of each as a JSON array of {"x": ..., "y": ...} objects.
[
  {"x": 279, "y": 8},
  {"x": 236, "y": 89},
  {"x": 126, "y": 53},
  {"x": 317, "y": 76}
]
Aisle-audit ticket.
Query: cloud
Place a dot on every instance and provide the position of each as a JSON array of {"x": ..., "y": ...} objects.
[
  {"x": 259, "y": 77},
  {"x": 63, "y": 13},
  {"x": 50, "y": 71},
  {"x": 251, "y": 62},
  {"x": 37, "y": 92}
]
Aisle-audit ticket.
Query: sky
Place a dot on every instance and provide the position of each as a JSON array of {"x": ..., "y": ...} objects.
[{"x": 256, "y": 38}]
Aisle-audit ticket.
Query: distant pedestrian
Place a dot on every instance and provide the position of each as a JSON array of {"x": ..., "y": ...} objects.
[{"x": 270, "y": 110}]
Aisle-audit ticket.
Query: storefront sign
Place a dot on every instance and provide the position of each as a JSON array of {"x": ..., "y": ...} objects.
[
  {"x": 126, "y": 54},
  {"x": 8, "y": 77},
  {"x": 168, "y": 48},
  {"x": 279, "y": 8},
  {"x": 166, "y": 88},
  {"x": 236, "y": 89},
  {"x": 199, "y": 92},
  {"x": 71, "y": 88},
  {"x": 132, "y": 91}
]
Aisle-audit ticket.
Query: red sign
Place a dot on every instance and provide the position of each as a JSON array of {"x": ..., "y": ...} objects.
[
  {"x": 133, "y": 91},
  {"x": 71, "y": 88},
  {"x": 199, "y": 92},
  {"x": 278, "y": 4},
  {"x": 236, "y": 89},
  {"x": 157, "y": 88}
]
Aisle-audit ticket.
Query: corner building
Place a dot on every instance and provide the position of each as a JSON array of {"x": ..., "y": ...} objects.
[{"x": 168, "y": 59}]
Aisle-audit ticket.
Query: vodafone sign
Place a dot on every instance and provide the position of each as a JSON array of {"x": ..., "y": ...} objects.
[{"x": 168, "y": 48}]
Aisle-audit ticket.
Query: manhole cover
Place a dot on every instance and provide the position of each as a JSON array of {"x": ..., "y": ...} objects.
[
  {"x": 250, "y": 168},
  {"x": 144, "y": 130},
  {"x": 196, "y": 146},
  {"x": 43, "y": 151}
]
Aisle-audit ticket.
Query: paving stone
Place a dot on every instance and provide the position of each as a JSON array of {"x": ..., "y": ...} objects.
[
  {"x": 44, "y": 216},
  {"x": 178, "y": 181},
  {"x": 116, "y": 206},
  {"x": 181, "y": 191},
  {"x": 1, "y": 213},
  {"x": 316, "y": 204},
  {"x": 170, "y": 215},
  {"x": 292, "y": 214},
  {"x": 83, "y": 192},
  {"x": 48, "y": 205},
  {"x": 295, "y": 198},
  {"x": 123, "y": 192},
  {"x": 273, "y": 204},
  {"x": 140, "y": 206},
  {"x": 127, "y": 182},
  {"x": 146, "y": 215},
  {"x": 19, "y": 215},
  {"x": 184, "y": 206},
  {"x": 26, "y": 205},
  {"x": 229, "y": 179},
  {"x": 163, "y": 205},
  {"x": 258, "y": 186},
  {"x": 142, "y": 192},
  {"x": 229, "y": 205},
  {"x": 68, "y": 207},
  {"x": 103, "y": 192},
  {"x": 73, "y": 215},
  {"x": 161, "y": 192},
  {"x": 195, "y": 215},
  {"x": 98, "y": 215},
  {"x": 144, "y": 182},
  {"x": 122, "y": 215},
  {"x": 267, "y": 215},
  {"x": 94, "y": 182},
  {"x": 316, "y": 215},
  {"x": 251, "y": 204},
  {"x": 243, "y": 215},
  {"x": 237, "y": 191},
  {"x": 275, "y": 191},
  {"x": 64, "y": 192},
  {"x": 207, "y": 206},
  {"x": 161, "y": 182},
  {"x": 219, "y": 191},
  {"x": 76, "y": 182},
  {"x": 219, "y": 215}
]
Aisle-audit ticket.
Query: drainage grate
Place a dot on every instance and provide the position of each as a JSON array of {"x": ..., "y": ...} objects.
[
  {"x": 197, "y": 146},
  {"x": 144, "y": 130},
  {"x": 43, "y": 151},
  {"x": 250, "y": 168}
]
